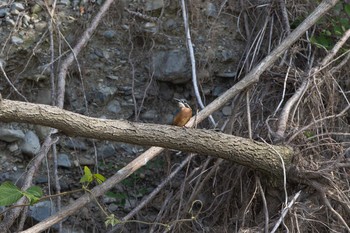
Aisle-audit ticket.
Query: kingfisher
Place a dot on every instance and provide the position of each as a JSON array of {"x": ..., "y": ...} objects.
[{"x": 184, "y": 114}]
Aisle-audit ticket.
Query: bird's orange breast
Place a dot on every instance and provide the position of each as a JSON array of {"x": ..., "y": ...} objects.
[{"x": 182, "y": 117}]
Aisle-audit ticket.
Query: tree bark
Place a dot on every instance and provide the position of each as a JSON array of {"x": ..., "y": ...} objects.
[{"x": 256, "y": 155}]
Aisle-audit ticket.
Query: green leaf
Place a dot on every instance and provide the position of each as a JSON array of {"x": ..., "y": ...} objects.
[
  {"x": 347, "y": 9},
  {"x": 32, "y": 199},
  {"x": 345, "y": 24},
  {"x": 99, "y": 178},
  {"x": 111, "y": 194},
  {"x": 9, "y": 193},
  {"x": 35, "y": 190},
  {"x": 322, "y": 41},
  {"x": 112, "y": 220},
  {"x": 309, "y": 134},
  {"x": 338, "y": 8},
  {"x": 338, "y": 30},
  {"x": 87, "y": 177},
  {"x": 33, "y": 193}
]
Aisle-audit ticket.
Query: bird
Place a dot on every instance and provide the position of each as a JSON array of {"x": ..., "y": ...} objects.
[{"x": 184, "y": 114}]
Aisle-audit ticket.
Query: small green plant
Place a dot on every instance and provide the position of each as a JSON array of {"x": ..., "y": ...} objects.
[
  {"x": 89, "y": 177},
  {"x": 334, "y": 28},
  {"x": 112, "y": 220},
  {"x": 10, "y": 194}
]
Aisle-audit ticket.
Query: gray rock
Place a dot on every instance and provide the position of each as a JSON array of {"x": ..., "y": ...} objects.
[
  {"x": 75, "y": 4},
  {"x": 42, "y": 210},
  {"x": 41, "y": 179},
  {"x": 110, "y": 34},
  {"x": 13, "y": 176},
  {"x": 171, "y": 66},
  {"x": 170, "y": 24},
  {"x": 113, "y": 77},
  {"x": 107, "y": 151},
  {"x": 166, "y": 92},
  {"x": 75, "y": 144},
  {"x": 206, "y": 90},
  {"x": 99, "y": 52},
  {"x": 42, "y": 131},
  {"x": 64, "y": 2},
  {"x": 150, "y": 27},
  {"x": 31, "y": 144},
  {"x": 40, "y": 26},
  {"x": 125, "y": 90},
  {"x": 227, "y": 56},
  {"x": 211, "y": 10},
  {"x": 63, "y": 161},
  {"x": 10, "y": 21},
  {"x": 86, "y": 161},
  {"x": 14, "y": 12},
  {"x": 36, "y": 9},
  {"x": 25, "y": 21},
  {"x": 102, "y": 94},
  {"x": 114, "y": 106},
  {"x": 150, "y": 115},
  {"x": 347, "y": 153},
  {"x": 13, "y": 147},
  {"x": 18, "y": 6},
  {"x": 168, "y": 119},
  {"x": 226, "y": 74},
  {"x": 44, "y": 96},
  {"x": 129, "y": 149},
  {"x": 113, "y": 207},
  {"x": 11, "y": 135},
  {"x": 227, "y": 110},
  {"x": 16, "y": 40},
  {"x": 151, "y": 5},
  {"x": 218, "y": 90},
  {"x": 4, "y": 176},
  {"x": 4, "y": 12}
]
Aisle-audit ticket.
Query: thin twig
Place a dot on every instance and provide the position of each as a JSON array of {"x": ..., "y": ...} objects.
[
  {"x": 249, "y": 116},
  {"x": 284, "y": 171},
  {"x": 161, "y": 211},
  {"x": 321, "y": 191},
  {"x": 151, "y": 196},
  {"x": 2, "y": 67},
  {"x": 53, "y": 101},
  {"x": 317, "y": 121},
  {"x": 76, "y": 50},
  {"x": 193, "y": 61},
  {"x": 285, "y": 211},
  {"x": 283, "y": 118},
  {"x": 266, "y": 211}
]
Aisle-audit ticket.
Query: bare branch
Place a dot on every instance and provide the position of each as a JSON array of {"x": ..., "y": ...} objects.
[
  {"x": 193, "y": 60},
  {"x": 76, "y": 50},
  {"x": 240, "y": 150}
]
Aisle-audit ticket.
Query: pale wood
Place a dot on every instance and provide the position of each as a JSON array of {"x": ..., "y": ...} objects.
[{"x": 256, "y": 155}]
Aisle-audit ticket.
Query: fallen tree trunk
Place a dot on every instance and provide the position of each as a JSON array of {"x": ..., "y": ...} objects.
[{"x": 256, "y": 155}]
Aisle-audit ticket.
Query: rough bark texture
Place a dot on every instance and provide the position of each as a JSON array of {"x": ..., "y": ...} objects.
[{"x": 253, "y": 154}]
